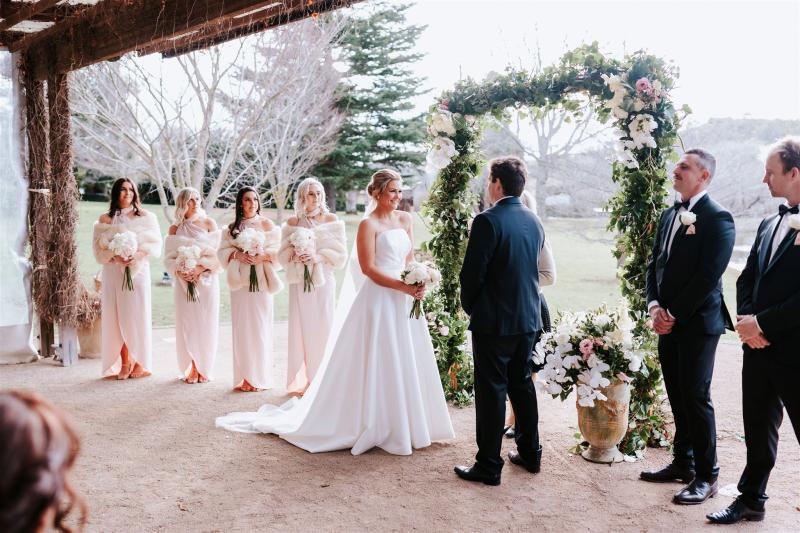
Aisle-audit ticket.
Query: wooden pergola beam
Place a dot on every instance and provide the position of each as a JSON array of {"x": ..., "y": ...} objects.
[
  {"x": 26, "y": 12},
  {"x": 257, "y": 24},
  {"x": 115, "y": 27}
]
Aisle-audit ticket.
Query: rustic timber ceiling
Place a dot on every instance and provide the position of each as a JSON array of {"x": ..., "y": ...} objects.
[{"x": 63, "y": 35}]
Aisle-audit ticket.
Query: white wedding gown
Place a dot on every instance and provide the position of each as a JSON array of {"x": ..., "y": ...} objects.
[{"x": 378, "y": 384}]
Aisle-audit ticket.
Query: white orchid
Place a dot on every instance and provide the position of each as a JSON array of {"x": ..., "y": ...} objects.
[
  {"x": 442, "y": 151},
  {"x": 442, "y": 122},
  {"x": 640, "y": 130}
]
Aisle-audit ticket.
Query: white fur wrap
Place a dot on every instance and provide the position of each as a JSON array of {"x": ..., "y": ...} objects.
[
  {"x": 329, "y": 240},
  {"x": 238, "y": 273},
  {"x": 148, "y": 238}
]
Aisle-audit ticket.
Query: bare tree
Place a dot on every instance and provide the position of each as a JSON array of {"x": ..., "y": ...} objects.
[
  {"x": 213, "y": 120},
  {"x": 298, "y": 117}
]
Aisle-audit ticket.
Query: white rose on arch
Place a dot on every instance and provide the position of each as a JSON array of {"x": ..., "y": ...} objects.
[
  {"x": 441, "y": 153},
  {"x": 442, "y": 122}
]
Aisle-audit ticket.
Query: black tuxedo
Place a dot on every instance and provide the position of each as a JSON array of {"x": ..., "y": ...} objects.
[
  {"x": 500, "y": 293},
  {"x": 686, "y": 280},
  {"x": 769, "y": 288}
]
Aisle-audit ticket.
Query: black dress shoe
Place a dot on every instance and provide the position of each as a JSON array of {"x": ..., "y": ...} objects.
[
  {"x": 698, "y": 491},
  {"x": 510, "y": 432},
  {"x": 533, "y": 466},
  {"x": 671, "y": 472},
  {"x": 735, "y": 512},
  {"x": 476, "y": 473}
]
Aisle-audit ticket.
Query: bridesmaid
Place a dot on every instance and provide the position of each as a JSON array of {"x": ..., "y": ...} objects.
[
  {"x": 196, "y": 321},
  {"x": 251, "y": 311},
  {"x": 127, "y": 317},
  {"x": 310, "y": 313}
]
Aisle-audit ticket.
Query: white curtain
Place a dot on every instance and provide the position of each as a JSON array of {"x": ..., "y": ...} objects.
[{"x": 16, "y": 344}]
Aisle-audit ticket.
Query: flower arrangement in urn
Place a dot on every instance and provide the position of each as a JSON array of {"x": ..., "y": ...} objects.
[
  {"x": 596, "y": 354},
  {"x": 586, "y": 351}
]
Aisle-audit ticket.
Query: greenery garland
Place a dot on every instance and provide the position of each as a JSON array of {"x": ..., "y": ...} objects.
[{"x": 634, "y": 94}]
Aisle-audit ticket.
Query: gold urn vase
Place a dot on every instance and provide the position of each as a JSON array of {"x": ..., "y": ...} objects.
[{"x": 604, "y": 425}]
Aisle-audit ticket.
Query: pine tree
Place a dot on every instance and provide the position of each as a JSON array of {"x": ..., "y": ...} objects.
[{"x": 376, "y": 95}]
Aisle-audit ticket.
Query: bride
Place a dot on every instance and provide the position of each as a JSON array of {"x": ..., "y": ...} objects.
[{"x": 378, "y": 384}]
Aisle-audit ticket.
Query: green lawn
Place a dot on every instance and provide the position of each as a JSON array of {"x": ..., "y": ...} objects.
[{"x": 586, "y": 270}]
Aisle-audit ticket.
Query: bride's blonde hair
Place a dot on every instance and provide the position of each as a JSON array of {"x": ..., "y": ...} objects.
[
  {"x": 380, "y": 180},
  {"x": 182, "y": 202},
  {"x": 302, "y": 192}
]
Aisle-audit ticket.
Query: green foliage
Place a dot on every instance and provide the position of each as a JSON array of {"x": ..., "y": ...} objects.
[
  {"x": 634, "y": 209},
  {"x": 377, "y": 97}
]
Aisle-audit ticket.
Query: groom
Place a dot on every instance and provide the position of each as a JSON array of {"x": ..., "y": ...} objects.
[{"x": 500, "y": 293}]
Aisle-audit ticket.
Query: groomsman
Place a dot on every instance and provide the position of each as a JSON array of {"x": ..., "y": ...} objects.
[
  {"x": 692, "y": 248},
  {"x": 768, "y": 322}
]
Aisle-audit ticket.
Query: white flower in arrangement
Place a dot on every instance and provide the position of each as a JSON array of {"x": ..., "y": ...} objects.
[
  {"x": 442, "y": 151},
  {"x": 442, "y": 122},
  {"x": 470, "y": 120},
  {"x": 302, "y": 240},
  {"x": 635, "y": 363},
  {"x": 625, "y": 153},
  {"x": 687, "y": 218},
  {"x": 602, "y": 320},
  {"x": 638, "y": 104},
  {"x": 444, "y": 331},
  {"x": 430, "y": 317},
  {"x": 794, "y": 221},
  {"x": 187, "y": 260},
  {"x": 640, "y": 130}
]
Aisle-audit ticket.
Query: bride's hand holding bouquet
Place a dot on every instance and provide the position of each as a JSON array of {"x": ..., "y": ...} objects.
[{"x": 417, "y": 277}]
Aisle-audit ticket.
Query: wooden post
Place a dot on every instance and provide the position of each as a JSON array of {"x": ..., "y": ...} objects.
[
  {"x": 64, "y": 280},
  {"x": 38, "y": 206}
]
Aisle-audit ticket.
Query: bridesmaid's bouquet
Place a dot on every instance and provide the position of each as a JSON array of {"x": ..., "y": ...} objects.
[
  {"x": 252, "y": 242},
  {"x": 187, "y": 260},
  {"x": 419, "y": 274},
  {"x": 125, "y": 244},
  {"x": 302, "y": 240}
]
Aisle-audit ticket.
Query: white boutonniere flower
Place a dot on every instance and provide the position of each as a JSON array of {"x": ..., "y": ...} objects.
[
  {"x": 687, "y": 218},
  {"x": 794, "y": 222}
]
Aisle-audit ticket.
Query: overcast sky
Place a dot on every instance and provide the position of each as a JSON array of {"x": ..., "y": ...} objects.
[{"x": 736, "y": 58}]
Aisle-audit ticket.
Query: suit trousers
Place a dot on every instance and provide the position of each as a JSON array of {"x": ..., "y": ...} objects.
[
  {"x": 503, "y": 367},
  {"x": 767, "y": 387},
  {"x": 687, "y": 362}
]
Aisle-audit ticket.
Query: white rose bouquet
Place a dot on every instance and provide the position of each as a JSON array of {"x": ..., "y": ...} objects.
[
  {"x": 303, "y": 242},
  {"x": 251, "y": 242},
  {"x": 419, "y": 274},
  {"x": 585, "y": 352},
  {"x": 186, "y": 262},
  {"x": 125, "y": 244}
]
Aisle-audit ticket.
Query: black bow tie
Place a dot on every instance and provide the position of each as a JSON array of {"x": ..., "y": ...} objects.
[
  {"x": 677, "y": 205},
  {"x": 783, "y": 209}
]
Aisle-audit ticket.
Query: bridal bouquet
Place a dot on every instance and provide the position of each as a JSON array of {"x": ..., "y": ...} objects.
[
  {"x": 419, "y": 274},
  {"x": 125, "y": 244},
  {"x": 186, "y": 262},
  {"x": 585, "y": 351},
  {"x": 302, "y": 240},
  {"x": 252, "y": 242}
]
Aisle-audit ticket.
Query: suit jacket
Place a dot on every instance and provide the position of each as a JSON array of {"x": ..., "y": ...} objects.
[
  {"x": 500, "y": 274},
  {"x": 688, "y": 281},
  {"x": 770, "y": 289}
]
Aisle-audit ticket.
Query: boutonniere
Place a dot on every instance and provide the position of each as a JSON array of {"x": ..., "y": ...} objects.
[
  {"x": 794, "y": 223},
  {"x": 687, "y": 218}
]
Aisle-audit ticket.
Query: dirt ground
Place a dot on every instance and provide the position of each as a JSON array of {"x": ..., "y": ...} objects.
[{"x": 152, "y": 460}]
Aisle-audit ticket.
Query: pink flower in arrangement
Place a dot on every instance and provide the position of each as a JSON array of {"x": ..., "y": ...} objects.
[
  {"x": 586, "y": 347},
  {"x": 444, "y": 104},
  {"x": 599, "y": 342},
  {"x": 622, "y": 376},
  {"x": 643, "y": 85}
]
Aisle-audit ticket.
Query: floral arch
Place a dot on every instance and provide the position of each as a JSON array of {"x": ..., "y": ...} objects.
[{"x": 634, "y": 94}]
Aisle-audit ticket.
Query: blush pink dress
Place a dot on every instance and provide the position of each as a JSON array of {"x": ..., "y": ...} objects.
[{"x": 197, "y": 323}]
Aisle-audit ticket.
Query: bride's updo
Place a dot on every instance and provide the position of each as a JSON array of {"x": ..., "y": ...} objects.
[{"x": 380, "y": 180}]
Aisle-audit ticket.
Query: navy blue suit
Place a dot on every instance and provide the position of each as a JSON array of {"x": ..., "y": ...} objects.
[
  {"x": 500, "y": 293},
  {"x": 687, "y": 281},
  {"x": 769, "y": 288}
]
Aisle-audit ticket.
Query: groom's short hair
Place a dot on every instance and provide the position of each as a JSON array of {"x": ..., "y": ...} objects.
[
  {"x": 511, "y": 172},
  {"x": 707, "y": 161},
  {"x": 788, "y": 149}
]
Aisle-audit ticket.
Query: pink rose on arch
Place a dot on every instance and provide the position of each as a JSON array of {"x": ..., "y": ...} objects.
[
  {"x": 643, "y": 85},
  {"x": 599, "y": 342},
  {"x": 586, "y": 347}
]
